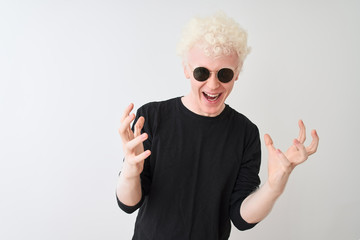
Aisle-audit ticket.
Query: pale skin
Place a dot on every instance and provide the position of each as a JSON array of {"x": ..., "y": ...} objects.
[
  {"x": 129, "y": 186},
  {"x": 280, "y": 165}
]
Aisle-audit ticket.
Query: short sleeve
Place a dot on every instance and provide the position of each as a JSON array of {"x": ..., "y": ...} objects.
[{"x": 248, "y": 176}]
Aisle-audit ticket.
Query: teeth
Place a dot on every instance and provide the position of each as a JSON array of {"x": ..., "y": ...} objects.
[{"x": 210, "y": 95}]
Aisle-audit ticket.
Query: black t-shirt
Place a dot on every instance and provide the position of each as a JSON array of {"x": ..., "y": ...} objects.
[{"x": 199, "y": 172}]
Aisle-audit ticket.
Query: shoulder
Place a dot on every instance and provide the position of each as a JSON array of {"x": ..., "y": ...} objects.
[
  {"x": 157, "y": 111},
  {"x": 248, "y": 133},
  {"x": 157, "y": 107},
  {"x": 243, "y": 121}
]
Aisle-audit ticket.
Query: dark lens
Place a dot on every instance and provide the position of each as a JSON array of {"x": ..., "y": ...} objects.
[
  {"x": 201, "y": 74},
  {"x": 225, "y": 75}
]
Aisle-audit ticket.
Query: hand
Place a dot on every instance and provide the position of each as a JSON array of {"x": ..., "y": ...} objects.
[
  {"x": 133, "y": 144},
  {"x": 298, "y": 153},
  {"x": 281, "y": 165}
]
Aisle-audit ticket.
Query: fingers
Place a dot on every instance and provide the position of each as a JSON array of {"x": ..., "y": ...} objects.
[
  {"x": 124, "y": 129},
  {"x": 127, "y": 111},
  {"x": 138, "y": 126},
  {"x": 283, "y": 159},
  {"x": 270, "y": 146},
  {"x": 131, "y": 145},
  {"x": 130, "y": 148},
  {"x": 297, "y": 153},
  {"x": 301, "y": 149},
  {"x": 269, "y": 142},
  {"x": 312, "y": 148},
  {"x": 302, "y": 132},
  {"x": 126, "y": 119},
  {"x": 141, "y": 157}
]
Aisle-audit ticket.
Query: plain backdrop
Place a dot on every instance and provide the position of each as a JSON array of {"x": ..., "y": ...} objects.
[{"x": 69, "y": 68}]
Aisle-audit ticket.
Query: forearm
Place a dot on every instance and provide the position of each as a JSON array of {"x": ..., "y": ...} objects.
[
  {"x": 129, "y": 190},
  {"x": 259, "y": 204}
]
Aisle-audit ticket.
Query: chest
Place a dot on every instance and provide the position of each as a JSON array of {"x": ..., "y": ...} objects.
[{"x": 187, "y": 152}]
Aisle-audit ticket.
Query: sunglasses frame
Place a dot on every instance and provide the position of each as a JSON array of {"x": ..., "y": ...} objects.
[{"x": 210, "y": 72}]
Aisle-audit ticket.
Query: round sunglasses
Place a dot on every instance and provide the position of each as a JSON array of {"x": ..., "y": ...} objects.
[{"x": 224, "y": 75}]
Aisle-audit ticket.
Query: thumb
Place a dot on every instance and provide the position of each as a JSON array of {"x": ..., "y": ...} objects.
[{"x": 269, "y": 142}]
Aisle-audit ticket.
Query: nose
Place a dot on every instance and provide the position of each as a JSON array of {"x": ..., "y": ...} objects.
[{"x": 213, "y": 81}]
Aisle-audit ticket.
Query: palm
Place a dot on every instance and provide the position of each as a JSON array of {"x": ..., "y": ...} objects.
[{"x": 281, "y": 165}]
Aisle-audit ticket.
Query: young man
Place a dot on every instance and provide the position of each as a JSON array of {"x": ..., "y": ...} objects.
[{"x": 191, "y": 163}]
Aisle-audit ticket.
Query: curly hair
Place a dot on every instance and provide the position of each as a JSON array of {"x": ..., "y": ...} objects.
[{"x": 218, "y": 35}]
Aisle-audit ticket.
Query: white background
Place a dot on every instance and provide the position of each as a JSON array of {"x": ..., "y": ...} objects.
[{"x": 69, "y": 68}]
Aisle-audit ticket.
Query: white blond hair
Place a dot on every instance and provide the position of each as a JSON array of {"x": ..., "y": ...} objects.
[{"x": 217, "y": 35}]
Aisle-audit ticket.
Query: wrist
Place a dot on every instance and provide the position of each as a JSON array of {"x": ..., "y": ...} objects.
[
  {"x": 273, "y": 190},
  {"x": 130, "y": 172}
]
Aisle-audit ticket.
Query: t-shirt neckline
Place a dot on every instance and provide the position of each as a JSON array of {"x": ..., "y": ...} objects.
[{"x": 192, "y": 114}]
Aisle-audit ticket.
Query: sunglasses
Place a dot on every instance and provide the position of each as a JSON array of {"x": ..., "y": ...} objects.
[{"x": 224, "y": 75}]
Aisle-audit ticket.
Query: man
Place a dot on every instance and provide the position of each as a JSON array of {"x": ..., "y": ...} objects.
[{"x": 191, "y": 163}]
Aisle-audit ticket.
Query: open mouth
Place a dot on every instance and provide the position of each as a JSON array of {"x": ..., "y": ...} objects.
[{"x": 211, "y": 97}]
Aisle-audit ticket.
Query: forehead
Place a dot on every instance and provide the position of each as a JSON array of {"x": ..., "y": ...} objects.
[{"x": 197, "y": 57}]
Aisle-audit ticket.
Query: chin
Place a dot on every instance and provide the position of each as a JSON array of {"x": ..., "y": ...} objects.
[{"x": 212, "y": 107}]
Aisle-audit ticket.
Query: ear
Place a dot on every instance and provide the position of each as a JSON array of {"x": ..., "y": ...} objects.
[
  {"x": 237, "y": 76},
  {"x": 238, "y": 72},
  {"x": 186, "y": 70}
]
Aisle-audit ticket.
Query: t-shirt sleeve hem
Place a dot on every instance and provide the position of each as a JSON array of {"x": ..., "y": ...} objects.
[
  {"x": 242, "y": 225},
  {"x": 238, "y": 221},
  {"x": 126, "y": 208}
]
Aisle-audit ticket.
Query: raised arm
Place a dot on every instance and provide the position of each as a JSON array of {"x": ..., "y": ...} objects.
[
  {"x": 280, "y": 165},
  {"x": 129, "y": 186}
]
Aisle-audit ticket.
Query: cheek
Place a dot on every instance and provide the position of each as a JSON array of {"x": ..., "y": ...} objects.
[
  {"x": 229, "y": 88},
  {"x": 196, "y": 85}
]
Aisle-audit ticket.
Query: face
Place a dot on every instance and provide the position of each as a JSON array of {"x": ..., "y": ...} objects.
[{"x": 207, "y": 98}]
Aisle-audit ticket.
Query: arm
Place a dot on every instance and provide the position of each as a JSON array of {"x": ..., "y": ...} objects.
[
  {"x": 128, "y": 189},
  {"x": 259, "y": 204}
]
